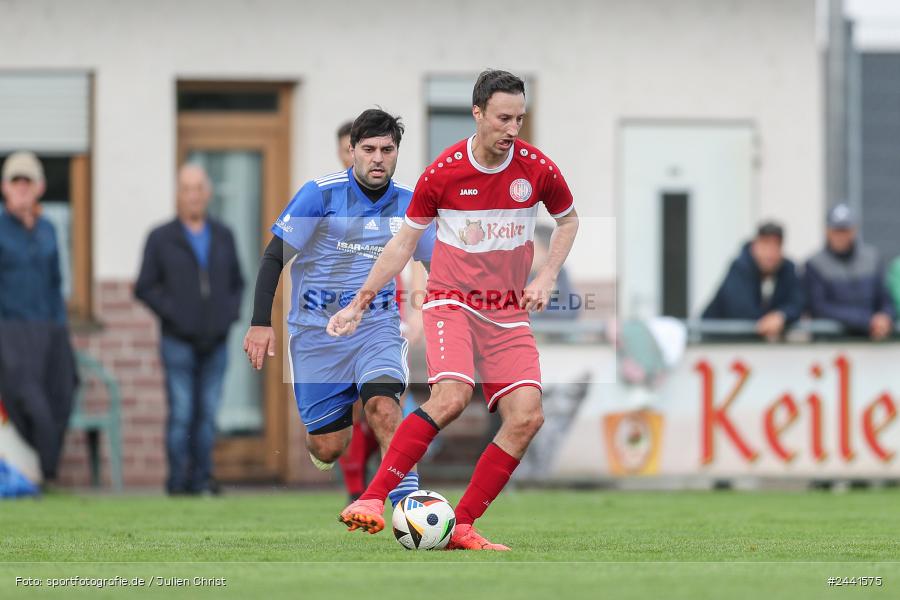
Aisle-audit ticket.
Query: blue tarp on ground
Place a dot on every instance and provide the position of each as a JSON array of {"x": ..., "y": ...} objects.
[{"x": 13, "y": 484}]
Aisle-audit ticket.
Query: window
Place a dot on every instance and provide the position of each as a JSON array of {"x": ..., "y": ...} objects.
[
  {"x": 449, "y": 112},
  {"x": 190, "y": 100},
  {"x": 48, "y": 113},
  {"x": 674, "y": 248}
]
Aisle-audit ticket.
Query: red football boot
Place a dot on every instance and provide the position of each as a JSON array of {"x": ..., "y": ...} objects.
[
  {"x": 365, "y": 515},
  {"x": 466, "y": 538}
]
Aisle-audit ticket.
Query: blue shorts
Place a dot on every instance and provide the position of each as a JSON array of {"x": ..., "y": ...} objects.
[{"x": 328, "y": 371}]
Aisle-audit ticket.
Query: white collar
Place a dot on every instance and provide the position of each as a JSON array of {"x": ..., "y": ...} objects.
[{"x": 484, "y": 169}]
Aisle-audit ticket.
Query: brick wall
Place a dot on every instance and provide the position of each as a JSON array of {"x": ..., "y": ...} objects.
[
  {"x": 127, "y": 344},
  {"x": 128, "y": 347}
]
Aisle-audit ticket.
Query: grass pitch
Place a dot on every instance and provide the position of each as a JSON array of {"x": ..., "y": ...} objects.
[{"x": 565, "y": 544}]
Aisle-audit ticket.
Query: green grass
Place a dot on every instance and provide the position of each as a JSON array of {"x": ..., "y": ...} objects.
[{"x": 565, "y": 545}]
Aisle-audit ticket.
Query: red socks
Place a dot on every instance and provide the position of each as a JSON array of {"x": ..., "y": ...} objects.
[
  {"x": 353, "y": 461},
  {"x": 491, "y": 474},
  {"x": 408, "y": 445}
]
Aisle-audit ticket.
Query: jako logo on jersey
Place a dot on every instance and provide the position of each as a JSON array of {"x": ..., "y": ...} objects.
[
  {"x": 371, "y": 225},
  {"x": 472, "y": 233},
  {"x": 520, "y": 190},
  {"x": 468, "y": 192}
]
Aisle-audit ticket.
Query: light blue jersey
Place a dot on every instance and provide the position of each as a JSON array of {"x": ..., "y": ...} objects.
[{"x": 340, "y": 233}]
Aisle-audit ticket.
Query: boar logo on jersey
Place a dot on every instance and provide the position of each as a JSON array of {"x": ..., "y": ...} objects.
[
  {"x": 520, "y": 190},
  {"x": 472, "y": 233}
]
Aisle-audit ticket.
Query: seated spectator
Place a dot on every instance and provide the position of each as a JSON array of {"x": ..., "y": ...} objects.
[
  {"x": 761, "y": 285},
  {"x": 845, "y": 280}
]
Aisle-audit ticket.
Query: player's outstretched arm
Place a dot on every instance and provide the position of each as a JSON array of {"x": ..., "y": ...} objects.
[
  {"x": 392, "y": 260},
  {"x": 537, "y": 293},
  {"x": 260, "y": 339}
]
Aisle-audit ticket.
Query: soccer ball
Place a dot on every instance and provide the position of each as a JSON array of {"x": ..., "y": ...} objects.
[{"x": 424, "y": 520}]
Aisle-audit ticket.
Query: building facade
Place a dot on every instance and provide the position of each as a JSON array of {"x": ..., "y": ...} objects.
[{"x": 692, "y": 119}]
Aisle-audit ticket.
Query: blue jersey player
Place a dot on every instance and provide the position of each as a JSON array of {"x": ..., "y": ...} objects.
[{"x": 337, "y": 226}]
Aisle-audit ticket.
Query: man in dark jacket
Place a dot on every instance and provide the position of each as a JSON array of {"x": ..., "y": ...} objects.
[
  {"x": 761, "y": 285},
  {"x": 191, "y": 279},
  {"x": 846, "y": 281}
]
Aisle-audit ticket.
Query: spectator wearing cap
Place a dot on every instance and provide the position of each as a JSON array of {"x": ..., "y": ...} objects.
[
  {"x": 761, "y": 285},
  {"x": 37, "y": 367},
  {"x": 845, "y": 280},
  {"x": 30, "y": 279}
]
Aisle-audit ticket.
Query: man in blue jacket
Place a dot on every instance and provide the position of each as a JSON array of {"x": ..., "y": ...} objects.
[
  {"x": 761, "y": 285},
  {"x": 30, "y": 280},
  {"x": 191, "y": 279},
  {"x": 845, "y": 281},
  {"x": 34, "y": 340}
]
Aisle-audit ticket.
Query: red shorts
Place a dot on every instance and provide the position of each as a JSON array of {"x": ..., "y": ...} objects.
[{"x": 458, "y": 342}]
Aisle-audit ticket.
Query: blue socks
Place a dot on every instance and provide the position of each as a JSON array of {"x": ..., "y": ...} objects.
[{"x": 409, "y": 485}]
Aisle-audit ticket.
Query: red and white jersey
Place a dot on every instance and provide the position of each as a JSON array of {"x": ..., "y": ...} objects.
[{"x": 485, "y": 226}]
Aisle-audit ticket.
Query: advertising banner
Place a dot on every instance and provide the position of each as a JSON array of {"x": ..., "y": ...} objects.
[{"x": 796, "y": 411}]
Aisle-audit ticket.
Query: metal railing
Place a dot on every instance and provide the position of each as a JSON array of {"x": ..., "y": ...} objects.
[
  {"x": 702, "y": 330},
  {"x": 802, "y": 331}
]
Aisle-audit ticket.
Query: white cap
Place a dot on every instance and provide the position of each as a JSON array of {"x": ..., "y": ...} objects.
[{"x": 23, "y": 164}]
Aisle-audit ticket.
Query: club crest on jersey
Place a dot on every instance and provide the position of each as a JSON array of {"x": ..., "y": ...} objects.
[
  {"x": 472, "y": 233},
  {"x": 520, "y": 190},
  {"x": 395, "y": 223}
]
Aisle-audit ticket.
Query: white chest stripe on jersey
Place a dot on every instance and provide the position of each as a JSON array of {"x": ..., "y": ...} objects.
[
  {"x": 479, "y": 231},
  {"x": 446, "y": 301}
]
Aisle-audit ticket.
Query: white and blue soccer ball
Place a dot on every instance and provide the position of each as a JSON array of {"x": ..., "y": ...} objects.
[{"x": 424, "y": 520}]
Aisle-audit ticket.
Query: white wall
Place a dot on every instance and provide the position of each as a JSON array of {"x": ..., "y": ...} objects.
[
  {"x": 594, "y": 63},
  {"x": 712, "y": 164},
  {"x": 876, "y": 24}
]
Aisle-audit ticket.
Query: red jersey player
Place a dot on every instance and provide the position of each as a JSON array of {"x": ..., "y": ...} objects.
[{"x": 484, "y": 193}]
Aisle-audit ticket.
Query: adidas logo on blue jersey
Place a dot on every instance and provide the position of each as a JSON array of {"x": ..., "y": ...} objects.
[{"x": 372, "y": 225}]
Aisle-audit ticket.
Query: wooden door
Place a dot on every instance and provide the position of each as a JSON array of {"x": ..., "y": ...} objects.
[{"x": 240, "y": 133}]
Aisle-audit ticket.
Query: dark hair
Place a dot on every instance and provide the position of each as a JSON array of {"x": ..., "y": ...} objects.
[
  {"x": 344, "y": 129},
  {"x": 770, "y": 228},
  {"x": 492, "y": 81},
  {"x": 374, "y": 122}
]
